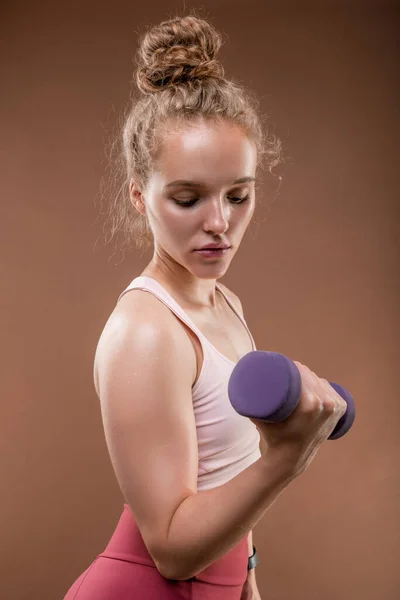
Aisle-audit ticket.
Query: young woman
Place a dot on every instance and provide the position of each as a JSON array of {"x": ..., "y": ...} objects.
[{"x": 192, "y": 471}]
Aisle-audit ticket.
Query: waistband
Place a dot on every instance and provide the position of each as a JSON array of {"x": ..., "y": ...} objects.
[{"x": 126, "y": 543}]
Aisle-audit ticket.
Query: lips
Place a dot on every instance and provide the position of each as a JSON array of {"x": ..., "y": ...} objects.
[{"x": 214, "y": 247}]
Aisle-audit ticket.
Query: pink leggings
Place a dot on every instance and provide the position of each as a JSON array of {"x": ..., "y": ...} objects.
[{"x": 126, "y": 571}]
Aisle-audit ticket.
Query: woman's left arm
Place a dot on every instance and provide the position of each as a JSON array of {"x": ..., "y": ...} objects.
[{"x": 250, "y": 589}]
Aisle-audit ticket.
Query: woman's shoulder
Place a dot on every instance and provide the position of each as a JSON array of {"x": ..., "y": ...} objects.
[{"x": 138, "y": 308}]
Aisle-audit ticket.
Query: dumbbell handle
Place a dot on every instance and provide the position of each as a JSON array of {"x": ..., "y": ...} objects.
[{"x": 267, "y": 386}]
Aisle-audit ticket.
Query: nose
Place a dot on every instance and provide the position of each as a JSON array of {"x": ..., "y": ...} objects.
[{"x": 217, "y": 217}]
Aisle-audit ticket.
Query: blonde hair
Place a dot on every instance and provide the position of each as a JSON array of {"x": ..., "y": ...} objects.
[{"x": 179, "y": 80}]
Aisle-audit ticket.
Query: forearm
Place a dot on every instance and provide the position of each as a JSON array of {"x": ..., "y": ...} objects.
[{"x": 210, "y": 523}]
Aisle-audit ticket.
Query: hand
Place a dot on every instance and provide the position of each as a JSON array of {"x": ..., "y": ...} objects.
[{"x": 299, "y": 437}]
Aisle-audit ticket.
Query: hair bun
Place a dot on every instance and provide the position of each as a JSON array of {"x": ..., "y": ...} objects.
[{"x": 177, "y": 51}]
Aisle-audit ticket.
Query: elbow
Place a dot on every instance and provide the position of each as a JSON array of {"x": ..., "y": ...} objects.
[
  {"x": 164, "y": 571},
  {"x": 171, "y": 577},
  {"x": 167, "y": 570},
  {"x": 173, "y": 573}
]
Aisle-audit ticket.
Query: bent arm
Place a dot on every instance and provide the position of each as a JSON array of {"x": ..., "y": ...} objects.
[{"x": 209, "y": 524}]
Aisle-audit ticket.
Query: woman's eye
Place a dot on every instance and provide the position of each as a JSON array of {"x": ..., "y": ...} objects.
[
  {"x": 187, "y": 203},
  {"x": 238, "y": 199},
  {"x": 235, "y": 199}
]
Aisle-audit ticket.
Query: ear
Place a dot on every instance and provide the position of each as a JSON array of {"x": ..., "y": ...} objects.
[{"x": 136, "y": 197}]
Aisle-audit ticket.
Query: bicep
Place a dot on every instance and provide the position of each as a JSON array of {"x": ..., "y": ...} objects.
[{"x": 146, "y": 401}]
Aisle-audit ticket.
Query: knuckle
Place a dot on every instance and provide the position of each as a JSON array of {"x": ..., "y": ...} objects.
[
  {"x": 329, "y": 405},
  {"x": 313, "y": 402}
]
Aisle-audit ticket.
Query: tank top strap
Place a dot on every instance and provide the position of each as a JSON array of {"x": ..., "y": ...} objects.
[
  {"x": 144, "y": 282},
  {"x": 150, "y": 284},
  {"x": 237, "y": 313}
]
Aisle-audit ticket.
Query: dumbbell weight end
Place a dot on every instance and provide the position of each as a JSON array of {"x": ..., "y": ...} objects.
[{"x": 267, "y": 385}]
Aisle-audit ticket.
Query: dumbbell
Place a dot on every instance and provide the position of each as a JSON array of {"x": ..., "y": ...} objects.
[{"x": 267, "y": 386}]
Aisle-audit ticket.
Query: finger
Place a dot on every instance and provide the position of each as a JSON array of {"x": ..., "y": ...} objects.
[{"x": 339, "y": 403}]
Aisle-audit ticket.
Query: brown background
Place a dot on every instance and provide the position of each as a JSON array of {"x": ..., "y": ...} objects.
[{"x": 318, "y": 279}]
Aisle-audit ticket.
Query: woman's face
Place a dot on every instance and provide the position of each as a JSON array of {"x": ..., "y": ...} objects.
[{"x": 210, "y": 158}]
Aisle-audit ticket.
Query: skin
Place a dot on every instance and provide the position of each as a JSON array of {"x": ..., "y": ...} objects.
[{"x": 213, "y": 156}]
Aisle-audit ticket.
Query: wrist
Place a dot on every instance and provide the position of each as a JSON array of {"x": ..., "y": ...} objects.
[
  {"x": 280, "y": 464},
  {"x": 253, "y": 560}
]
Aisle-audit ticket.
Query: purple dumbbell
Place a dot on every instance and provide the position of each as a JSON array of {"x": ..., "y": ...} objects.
[{"x": 267, "y": 386}]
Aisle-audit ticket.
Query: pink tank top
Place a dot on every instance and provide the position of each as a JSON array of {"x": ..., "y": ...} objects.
[{"x": 227, "y": 442}]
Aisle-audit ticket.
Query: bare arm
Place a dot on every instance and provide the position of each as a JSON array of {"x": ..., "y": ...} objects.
[
  {"x": 250, "y": 543},
  {"x": 145, "y": 373},
  {"x": 251, "y": 575},
  {"x": 227, "y": 513}
]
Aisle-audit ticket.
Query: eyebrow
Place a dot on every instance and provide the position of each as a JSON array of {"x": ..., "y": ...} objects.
[{"x": 197, "y": 184}]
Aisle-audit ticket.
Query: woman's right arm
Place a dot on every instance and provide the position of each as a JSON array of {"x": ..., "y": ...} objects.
[{"x": 144, "y": 385}]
